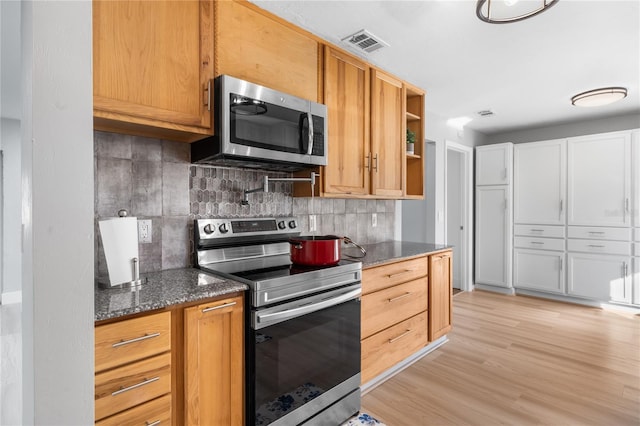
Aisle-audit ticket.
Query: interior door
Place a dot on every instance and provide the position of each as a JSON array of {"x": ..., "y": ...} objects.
[{"x": 455, "y": 214}]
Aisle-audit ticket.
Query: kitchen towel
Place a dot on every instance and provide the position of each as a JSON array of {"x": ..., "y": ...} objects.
[{"x": 120, "y": 242}]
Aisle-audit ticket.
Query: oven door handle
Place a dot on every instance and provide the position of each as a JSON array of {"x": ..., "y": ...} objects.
[{"x": 264, "y": 320}]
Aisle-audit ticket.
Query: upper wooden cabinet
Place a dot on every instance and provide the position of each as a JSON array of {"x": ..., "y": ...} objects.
[
  {"x": 414, "y": 114},
  {"x": 152, "y": 66},
  {"x": 346, "y": 94},
  {"x": 388, "y": 142},
  {"x": 258, "y": 47},
  {"x": 369, "y": 112}
]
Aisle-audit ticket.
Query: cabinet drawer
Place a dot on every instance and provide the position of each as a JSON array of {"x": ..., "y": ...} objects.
[
  {"x": 374, "y": 279},
  {"x": 156, "y": 412},
  {"x": 604, "y": 247},
  {"x": 385, "y": 349},
  {"x": 392, "y": 305},
  {"x": 600, "y": 233},
  {"x": 539, "y": 231},
  {"x": 556, "y": 244},
  {"x": 636, "y": 249},
  {"x": 636, "y": 234},
  {"x": 130, "y": 340},
  {"x": 133, "y": 384}
]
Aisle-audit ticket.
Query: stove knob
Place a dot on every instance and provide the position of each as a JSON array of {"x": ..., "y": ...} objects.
[
  {"x": 208, "y": 229},
  {"x": 292, "y": 224},
  {"x": 282, "y": 225},
  {"x": 223, "y": 228}
]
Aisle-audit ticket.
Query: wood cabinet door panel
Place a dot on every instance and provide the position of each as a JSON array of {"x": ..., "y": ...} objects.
[
  {"x": 379, "y": 277},
  {"x": 125, "y": 387},
  {"x": 153, "y": 59},
  {"x": 440, "y": 294},
  {"x": 214, "y": 363},
  {"x": 257, "y": 48},
  {"x": 346, "y": 94},
  {"x": 130, "y": 340},
  {"x": 387, "y": 135},
  {"x": 385, "y": 349},
  {"x": 392, "y": 305},
  {"x": 153, "y": 412}
]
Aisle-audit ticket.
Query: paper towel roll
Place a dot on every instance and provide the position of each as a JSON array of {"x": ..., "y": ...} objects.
[{"x": 120, "y": 242}]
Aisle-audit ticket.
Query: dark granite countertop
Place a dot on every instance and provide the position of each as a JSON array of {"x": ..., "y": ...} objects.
[
  {"x": 164, "y": 288},
  {"x": 389, "y": 251}
]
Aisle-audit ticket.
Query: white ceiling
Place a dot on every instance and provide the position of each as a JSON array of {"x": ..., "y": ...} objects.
[{"x": 525, "y": 72}]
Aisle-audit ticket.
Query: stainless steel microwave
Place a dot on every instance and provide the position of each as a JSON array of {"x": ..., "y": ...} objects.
[{"x": 258, "y": 127}]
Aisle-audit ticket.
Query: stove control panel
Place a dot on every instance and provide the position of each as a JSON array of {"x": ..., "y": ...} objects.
[{"x": 213, "y": 229}]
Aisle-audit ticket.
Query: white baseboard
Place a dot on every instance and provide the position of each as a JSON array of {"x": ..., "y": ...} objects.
[
  {"x": 10, "y": 297},
  {"x": 579, "y": 301},
  {"x": 502, "y": 290}
]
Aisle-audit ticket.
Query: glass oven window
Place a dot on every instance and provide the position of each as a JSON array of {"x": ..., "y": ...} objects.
[{"x": 299, "y": 359}]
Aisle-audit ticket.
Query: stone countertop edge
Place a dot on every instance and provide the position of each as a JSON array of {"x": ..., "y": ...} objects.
[
  {"x": 390, "y": 251},
  {"x": 162, "y": 289}
]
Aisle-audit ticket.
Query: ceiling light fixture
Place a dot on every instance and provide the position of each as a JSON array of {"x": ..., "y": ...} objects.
[
  {"x": 598, "y": 97},
  {"x": 506, "y": 11}
]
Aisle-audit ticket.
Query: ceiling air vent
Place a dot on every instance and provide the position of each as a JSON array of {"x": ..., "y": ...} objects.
[
  {"x": 485, "y": 113},
  {"x": 366, "y": 41}
]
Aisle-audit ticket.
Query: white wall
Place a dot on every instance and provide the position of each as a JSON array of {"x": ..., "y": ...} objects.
[
  {"x": 423, "y": 220},
  {"x": 578, "y": 128},
  {"x": 58, "y": 213}
]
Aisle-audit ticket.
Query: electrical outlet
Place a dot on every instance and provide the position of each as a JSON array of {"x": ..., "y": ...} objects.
[
  {"x": 374, "y": 220},
  {"x": 144, "y": 231},
  {"x": 312, "y": 223}
]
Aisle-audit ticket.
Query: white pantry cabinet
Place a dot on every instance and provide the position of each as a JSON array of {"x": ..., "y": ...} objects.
[
  {"x": 494, "y": 164},
  {"x": 493, "y": 235},
  {"x": 539, "y": 182},
  {"x": 539, "y": 270},
  {"x": 606, "y": 278},
  {"x": 599, "y": 180}
]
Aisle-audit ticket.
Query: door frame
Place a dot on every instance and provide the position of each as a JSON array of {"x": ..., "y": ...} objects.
[{"x": 466, "y": 280}]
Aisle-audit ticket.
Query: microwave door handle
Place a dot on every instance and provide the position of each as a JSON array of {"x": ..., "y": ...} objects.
[
  {"x": 310, "y": 145},
  {"x": 301, "y": 135}
]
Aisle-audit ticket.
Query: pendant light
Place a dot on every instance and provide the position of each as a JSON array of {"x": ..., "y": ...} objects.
[
  {"x": 598, "y": 97},
  {"x": 506, "y": 11}
]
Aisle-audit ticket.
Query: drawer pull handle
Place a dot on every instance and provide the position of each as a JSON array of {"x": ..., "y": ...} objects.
[
  {"x": 402, "y": 296},
  {"x": 537, "y": 230},
  {"x": 596, "y": 232},
  {"x": 595, "y": 246},
  {"x": 400, "y": 336},
  {"x": 537, "y": 242},
  {"x": 156, "y": 423},
  {"x": 137, "y": 339},
  {"x": 136, "y": 386},
  {"x": 213, "y": 308},
  {"x": 399, "y": 273}
]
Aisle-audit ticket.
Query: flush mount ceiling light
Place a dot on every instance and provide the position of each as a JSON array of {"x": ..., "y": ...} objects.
[
  {"x": 598, "y": 97},
  {"x": 506, "y": 11}
]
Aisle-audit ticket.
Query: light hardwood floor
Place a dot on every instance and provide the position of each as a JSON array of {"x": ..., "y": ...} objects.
[{"x": 520, "y": 360}]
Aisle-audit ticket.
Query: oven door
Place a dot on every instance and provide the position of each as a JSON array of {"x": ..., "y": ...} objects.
[{"x": 303, "y": 357}]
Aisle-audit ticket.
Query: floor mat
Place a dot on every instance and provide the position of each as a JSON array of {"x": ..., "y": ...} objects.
[{"x": 363, "y": 419}]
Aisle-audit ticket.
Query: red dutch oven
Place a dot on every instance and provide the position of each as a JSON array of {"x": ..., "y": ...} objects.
[{"x": 318, "y": 250}]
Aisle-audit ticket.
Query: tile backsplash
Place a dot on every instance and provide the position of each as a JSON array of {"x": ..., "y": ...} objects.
[{"x": 153, "y": 179}]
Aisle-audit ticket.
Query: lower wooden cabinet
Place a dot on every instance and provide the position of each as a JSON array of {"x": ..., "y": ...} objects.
[
  {"x": 181, "y": 366},
  {"x": 440, "y": 294},
  {"x": 405, "y": 305},
  {"x": 214, "y": 363}
]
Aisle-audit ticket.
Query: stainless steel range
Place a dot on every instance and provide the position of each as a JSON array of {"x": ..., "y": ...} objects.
[{"x": 303, "y": 323}]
